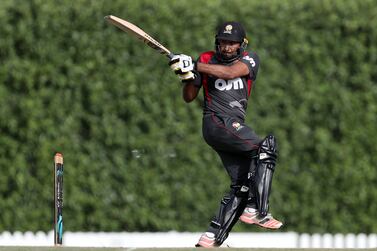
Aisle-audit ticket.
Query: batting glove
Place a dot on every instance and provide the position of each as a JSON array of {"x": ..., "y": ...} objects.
[
  {"x": 181, "y": 64},
  {"x": 187, "y": 76}
]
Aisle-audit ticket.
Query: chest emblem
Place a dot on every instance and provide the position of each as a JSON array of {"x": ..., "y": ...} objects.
[{"x": 226, "y": 85}]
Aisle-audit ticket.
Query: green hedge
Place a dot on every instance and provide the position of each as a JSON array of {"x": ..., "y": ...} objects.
[{"x": 135, "y": 159}]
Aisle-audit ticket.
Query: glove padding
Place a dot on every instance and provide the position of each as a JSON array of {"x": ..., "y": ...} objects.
[
  {"x": 187, "y": 77},
  {"x": 181, "y": 64}
]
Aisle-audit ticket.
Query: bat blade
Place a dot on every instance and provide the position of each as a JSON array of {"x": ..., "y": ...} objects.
[{"x": 138, "y": 33}]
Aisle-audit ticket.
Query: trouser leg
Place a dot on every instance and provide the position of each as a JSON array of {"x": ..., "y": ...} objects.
[{"x": 232, "y": 204}]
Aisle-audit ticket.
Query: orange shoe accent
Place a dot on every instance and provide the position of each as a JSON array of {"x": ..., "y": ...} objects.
[{"x": 251, "y": 216}]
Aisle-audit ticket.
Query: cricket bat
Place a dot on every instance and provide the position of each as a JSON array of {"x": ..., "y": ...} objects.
[{"x": 140, "y": 34}]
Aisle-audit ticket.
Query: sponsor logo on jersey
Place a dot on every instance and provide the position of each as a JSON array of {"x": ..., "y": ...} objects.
[
  {"x": 226, "y": 85},
  {"x": 237, "y": 126}
]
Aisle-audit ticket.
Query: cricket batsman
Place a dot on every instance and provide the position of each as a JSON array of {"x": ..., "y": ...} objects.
[{"x": 227, "y": 76}]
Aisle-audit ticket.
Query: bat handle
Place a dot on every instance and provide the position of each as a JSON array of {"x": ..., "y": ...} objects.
[{"x": 170, "y": 55}]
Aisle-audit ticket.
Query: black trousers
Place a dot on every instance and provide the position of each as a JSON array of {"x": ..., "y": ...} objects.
[{"x": 236, "y": 143}]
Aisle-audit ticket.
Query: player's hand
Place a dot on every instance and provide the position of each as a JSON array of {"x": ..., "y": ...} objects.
[
  {"x": 181, "y": 64},
  {"x": 187, "y": 76}
]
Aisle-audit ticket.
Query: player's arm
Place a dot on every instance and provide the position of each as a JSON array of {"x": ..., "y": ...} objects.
[
  {"x": 189, "y": 91},
  {"x": 226, "y": 72},
  {"x": 183, "y": 66}
]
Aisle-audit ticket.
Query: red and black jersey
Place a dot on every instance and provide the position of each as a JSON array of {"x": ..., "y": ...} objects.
[{"x": 227, "y": 97}]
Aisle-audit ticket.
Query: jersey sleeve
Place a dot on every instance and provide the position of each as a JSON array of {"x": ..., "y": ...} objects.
[
  {"x": 198, "y": 77},
  {"x": 198, "y": 80},
  {"x": 252, "y": 62},
  {"x": 205, "y": 57}
]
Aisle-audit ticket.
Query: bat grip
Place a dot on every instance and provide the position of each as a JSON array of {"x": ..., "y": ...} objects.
[{"x": 170, "y": 55}]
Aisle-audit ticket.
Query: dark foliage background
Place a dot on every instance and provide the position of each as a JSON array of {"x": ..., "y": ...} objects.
[{"x": 134, "y": 156}]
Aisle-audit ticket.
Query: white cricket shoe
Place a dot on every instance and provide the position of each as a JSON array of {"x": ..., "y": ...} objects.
[
  {"x": 251, "y": 216},
  {"x": 207, "y": 240}
]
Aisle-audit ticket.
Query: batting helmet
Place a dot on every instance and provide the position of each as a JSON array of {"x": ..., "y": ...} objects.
[{"x": 231, "y": 31}]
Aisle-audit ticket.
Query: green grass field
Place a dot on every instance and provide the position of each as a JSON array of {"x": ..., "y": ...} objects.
[{"x": 169, "y": 249}]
